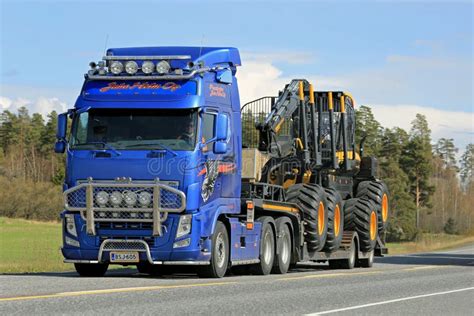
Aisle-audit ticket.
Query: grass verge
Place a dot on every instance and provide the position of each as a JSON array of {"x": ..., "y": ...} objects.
[
  {"x": 30, "y": 246},
  {"x": 429, "y": 242}
]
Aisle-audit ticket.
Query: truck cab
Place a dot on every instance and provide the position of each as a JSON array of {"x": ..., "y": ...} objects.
[{"x": 152, "y": 157}]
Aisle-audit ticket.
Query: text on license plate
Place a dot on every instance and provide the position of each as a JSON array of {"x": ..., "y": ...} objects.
[{"x": 121, "y": 256}]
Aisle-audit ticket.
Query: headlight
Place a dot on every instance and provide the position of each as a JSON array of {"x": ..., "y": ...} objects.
[
  {"x": 130, "y": 198},
  {"x": 70, "y": 224},
  {"x": 184, "y": 226},
  {"x": 163, "y": 67},
  {"x": 131, "y": 67},
  {"x": 116, "y": 198},
  {"x": 144, "y": 198},
  {"x": 148, "y": 67},
  {"x": 72, "y": 242},
  {"x": 102, "y": 198},
  {"x": 116, "y": 67}
]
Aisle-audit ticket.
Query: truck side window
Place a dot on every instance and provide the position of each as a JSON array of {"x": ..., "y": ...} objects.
[{"x": 208, "y": 126}]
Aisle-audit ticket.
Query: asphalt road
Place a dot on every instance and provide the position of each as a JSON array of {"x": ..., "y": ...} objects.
[{"x": 429, "y": 283}]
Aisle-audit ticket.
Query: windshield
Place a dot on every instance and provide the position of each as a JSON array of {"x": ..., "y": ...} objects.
[{"x": 135, "y": 129}]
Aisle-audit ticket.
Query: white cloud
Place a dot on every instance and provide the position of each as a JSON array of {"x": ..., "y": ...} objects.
[{"x": 41, "y": 105}]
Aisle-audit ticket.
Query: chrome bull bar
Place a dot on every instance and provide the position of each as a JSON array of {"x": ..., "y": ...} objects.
[{"x": 164, "y": 199}]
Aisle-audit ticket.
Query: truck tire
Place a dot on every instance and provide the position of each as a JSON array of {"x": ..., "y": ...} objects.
[
  {"x": 368, "y": 262},
  {"x": 348, "y": 263},
  {"x": 267, "y": 248},
  {"x": 361, "y": 216},
  {"x": 283, "y": 246},
  {"x": 91, "y": 269},
  {"x": 335, "y": 220},
  {"x": 219, "y": 256},
  {"x": 311, "y": 199},
  {"x": 376, "y": 191}
]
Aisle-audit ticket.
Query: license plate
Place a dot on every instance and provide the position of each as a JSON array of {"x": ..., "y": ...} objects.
[{"x": 122, "y": 256}]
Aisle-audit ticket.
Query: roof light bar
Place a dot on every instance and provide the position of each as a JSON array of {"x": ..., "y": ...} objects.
[{"x": 168, "y": 57}]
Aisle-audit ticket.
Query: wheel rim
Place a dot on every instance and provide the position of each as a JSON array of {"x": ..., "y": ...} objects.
[
  {"x": 353, "y": 254},
  {"x": 285, "y": 249},
  {"x": 220, "y": 250},
  {"x": 384, "y": 207},
  {"x": 321, "y": 218},
  {"x": 337, "y": 220},
  {"x": 267, "y": 248},
  {"x": 373, "y": 225}
]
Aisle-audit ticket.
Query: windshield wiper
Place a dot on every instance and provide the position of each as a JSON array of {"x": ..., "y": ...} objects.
[
  {"x": 154, "y": 144},
  {"x": 104, "y": 144}
]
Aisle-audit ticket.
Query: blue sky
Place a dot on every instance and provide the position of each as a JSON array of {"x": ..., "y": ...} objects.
[{"x": 396, "y": 56}]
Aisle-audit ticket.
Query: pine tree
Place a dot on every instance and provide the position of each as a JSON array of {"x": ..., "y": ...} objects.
[
  {"x": 446, "y": 150},
  {"x": 416, "y": 162},
  {"x": 368, "y": 127},
  {"x": 467, "y": 165}
]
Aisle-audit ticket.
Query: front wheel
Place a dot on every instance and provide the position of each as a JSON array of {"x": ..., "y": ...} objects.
[
  {"x": 91, "y": 269},
  {"x": 220, "y": 254}
]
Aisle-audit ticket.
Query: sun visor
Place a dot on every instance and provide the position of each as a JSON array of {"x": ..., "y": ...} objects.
[{"x": 138, "y": 90}]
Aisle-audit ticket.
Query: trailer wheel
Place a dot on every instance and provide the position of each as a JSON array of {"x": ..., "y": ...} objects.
[
  {"x": 311, "y": 199},
  {"x": 267, "y": 249},
  {"x": 348, "y": 263},
  {"x": 91, "y": 269},
  {"x": 335, "y": 220},
  {"x": 361, "y": 216},
  {"x": 376, "y": 191},
  {"x": 220, "y": 254},
  {"x": 283, "y": 246},
  {"x": 368, "y": 262}
]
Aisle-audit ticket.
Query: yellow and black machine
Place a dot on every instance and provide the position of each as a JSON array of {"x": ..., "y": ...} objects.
[{"x": 300, "y": 158}]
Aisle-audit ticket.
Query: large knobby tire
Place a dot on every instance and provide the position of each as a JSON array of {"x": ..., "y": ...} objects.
[
  {"x": 267, "y": 248},
  {"x": 376, "y": 191},
  {"x": 284, "y": 246},
  {"x": 311, "y": 199},
  {"x": 219, "y": 256},
  {"x": 335, "y": 220},
  {"x": 361, "y": 216},
  {"x": 91, "y": 269}
]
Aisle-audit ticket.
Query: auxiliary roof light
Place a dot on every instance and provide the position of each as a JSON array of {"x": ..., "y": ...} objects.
[
  {"x": 148, "y": 67},
  {"x": 131, "y": 67},
  {"x": 163, "y": 67},
  {"x": 116, "y": 67}
]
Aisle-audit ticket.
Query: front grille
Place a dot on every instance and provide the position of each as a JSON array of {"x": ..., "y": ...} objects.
[
  {"x": 127, "y": 243},
  {"x": 114, "y": 207},
  {"x": 124, "y": 225}
]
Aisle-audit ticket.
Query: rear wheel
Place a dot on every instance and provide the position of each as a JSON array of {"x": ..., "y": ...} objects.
[
  {"x": 220, "y": 254},
  {"x": 377, "y": 192},
  {"x": 283, "y": 253},
  {"x": 91, "y": 269},
  {"x": 267, "y": 249},
  {"x": 361, "y": 216},
  {"x": 335, "y": 220},
  {"x": 348, "y": 263},
  {"x": 368, "y": 262},
  {"x": 311, "y": 199}
]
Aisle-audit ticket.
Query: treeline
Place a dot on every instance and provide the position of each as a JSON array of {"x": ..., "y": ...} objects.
[
  {"x": 30, "y": 173},
  {"x": 430, "y": 190}
]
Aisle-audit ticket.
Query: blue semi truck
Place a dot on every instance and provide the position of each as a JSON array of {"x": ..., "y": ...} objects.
[{"x": 164, "y": 168}]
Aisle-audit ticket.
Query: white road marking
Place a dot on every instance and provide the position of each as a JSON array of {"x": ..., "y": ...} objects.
[{"x": 390, "y": 301}]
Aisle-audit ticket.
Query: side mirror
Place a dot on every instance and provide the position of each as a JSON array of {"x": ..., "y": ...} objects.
[
  {"x": 224, "y": 76},
  {"x": 60, "y": 147},
  {"x": 62, "y": 126},
  {"x": 222, "y": 127},
  {"x": 220, "y": 147}
]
